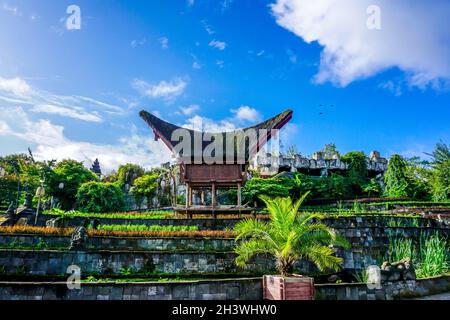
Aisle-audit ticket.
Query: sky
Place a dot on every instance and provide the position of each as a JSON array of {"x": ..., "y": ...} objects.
[{"x": 365, "y": 75}]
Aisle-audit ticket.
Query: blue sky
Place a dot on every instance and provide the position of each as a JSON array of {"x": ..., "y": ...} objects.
[{"x": 222, "y": 65}]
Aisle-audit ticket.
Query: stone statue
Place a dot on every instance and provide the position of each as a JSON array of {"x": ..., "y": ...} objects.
[
  {"x": 11, "y": 212},
  {"x": 397, "y": 271},
  {"x": 79, "y": 237},
  {"x": 28, "y": 203}
]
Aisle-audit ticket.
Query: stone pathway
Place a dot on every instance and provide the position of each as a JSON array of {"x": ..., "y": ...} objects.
[{"x": 442, "y": 296}]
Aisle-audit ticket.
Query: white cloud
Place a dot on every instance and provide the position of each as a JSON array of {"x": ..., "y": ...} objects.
[
  {"x": 190, "y": 3},
  {"x": 13, "y": 10},
  {"x": 137, "y": 43},
  {"x": 392, "y": 87},
  {"x": 218, "y": 44},
  {"x": 67, "y": 112},
  {"x": 16, "y": 86},
  {"x": 49, "y": 142},
  {"x": 189, "y": 110},
  {"x": 220, "y": 63},
  {"x": 414, "y": 37},
  {"x": 292, "y": 56},
  {"x": 208, "y": 28},
  {"x": 167, "y": 90},
  {"x": 208, "y": 125},
  {"x": 17, "y": 92},
  {"x": 240, "y": 119},
  {"x": 164, "y": 42},
  {"x": 246, "y": 114},
  {"x": 196, "y": 65}
]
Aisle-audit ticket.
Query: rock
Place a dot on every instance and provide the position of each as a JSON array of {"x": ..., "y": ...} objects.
[
  {"x": 333, "y": 278},
  {"x": 401, "y": 270}
]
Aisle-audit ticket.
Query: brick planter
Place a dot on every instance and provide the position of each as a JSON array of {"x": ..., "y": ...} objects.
[{"x": 288, "y": 288}]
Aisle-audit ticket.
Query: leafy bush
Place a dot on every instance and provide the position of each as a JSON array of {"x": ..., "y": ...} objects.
[
  {"x": 434, "y": 257},
  {"x": 100, "y": 197},
  {"x": 395, "y": 178},
  {"x": 257, "y": 187},
  {"x": 144, "y": 187},
  {"x": 72, "y": 174},
  {"x": 357, "y": 170},
  {"x": 128, "y": 173}
]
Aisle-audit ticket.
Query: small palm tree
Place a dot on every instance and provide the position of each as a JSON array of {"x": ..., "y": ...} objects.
[{"x": 289, "y": 237}]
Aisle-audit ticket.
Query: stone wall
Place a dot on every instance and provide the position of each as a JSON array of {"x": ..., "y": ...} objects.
[
  {"x": 115, "y": 243},
  {"x": 52, "y": 262},
  {"x": 235, "y": 289},
  {"x": 388, "y": 291}
]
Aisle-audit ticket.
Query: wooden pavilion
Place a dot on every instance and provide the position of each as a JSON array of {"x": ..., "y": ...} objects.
[{"x": 224, "y": 166}]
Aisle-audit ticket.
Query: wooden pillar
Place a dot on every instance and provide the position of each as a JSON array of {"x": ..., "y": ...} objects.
[
  {"x": 202, "y": 195},
  {"x": 213, "y": 195},
  {"x": 239, "y": 195},
  {"x": 190, "y": 196},
  {"x": 187, "y": 195}
]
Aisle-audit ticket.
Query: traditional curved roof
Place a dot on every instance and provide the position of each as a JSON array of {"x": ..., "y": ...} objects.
[{"x": 165, "y": 131}]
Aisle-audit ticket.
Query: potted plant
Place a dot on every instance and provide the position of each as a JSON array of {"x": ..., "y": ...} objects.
[{"x": 289, "y": 236}]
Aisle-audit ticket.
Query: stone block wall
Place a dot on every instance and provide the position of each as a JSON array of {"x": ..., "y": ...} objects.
[{"x": 235, "y": 289}]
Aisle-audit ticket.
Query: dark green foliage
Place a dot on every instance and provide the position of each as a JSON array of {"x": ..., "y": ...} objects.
[
  {"x": 357, "y": 170},
  {"x": 395, "y": 178},
  {"x": 100, "y": 197},
  {"x": 372, "y": 189},
  {"x": 72, "y": 174},
  {"x": 441, "y": 174},
  {"x": 272, "y": 188},
  {"x": 23, "y": 172},
  {"x": 334, "y": 187},
  {"x": 128, "y": 173},
  {"x": 145, "y": 188},
  {"x": 8, "y": 189}
]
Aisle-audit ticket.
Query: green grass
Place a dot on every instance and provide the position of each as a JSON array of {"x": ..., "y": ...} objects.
[
  {"x": 118, "y": 227},
  {"x": 430, "y": 255},
  {"x": 434, "y": 255},
  {"x": 118, "y": 215}
]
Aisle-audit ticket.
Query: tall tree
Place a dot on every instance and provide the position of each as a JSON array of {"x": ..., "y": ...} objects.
[
  {"x": 69, "y": 176},
  {"x": 441, "y": 174},
  {"x": 395, "y": 179}
]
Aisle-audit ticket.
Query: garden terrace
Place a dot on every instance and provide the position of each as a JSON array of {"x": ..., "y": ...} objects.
[{"x": 178, "y": 252}]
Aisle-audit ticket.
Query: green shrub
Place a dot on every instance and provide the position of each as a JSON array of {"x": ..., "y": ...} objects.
[
  {"x": 395, "y": 178},
  {"x": 257, "y": 187},
  {"x": 118, "y": 227},
  {"x": 72, "y": 174},
  {"x": 357, "y": 170},
  {"x": 100, "y": 197},
  {"x": 433, "y": 257}
]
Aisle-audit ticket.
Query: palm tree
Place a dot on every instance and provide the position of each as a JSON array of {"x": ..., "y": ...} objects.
[{"x": 289, "y": 237}]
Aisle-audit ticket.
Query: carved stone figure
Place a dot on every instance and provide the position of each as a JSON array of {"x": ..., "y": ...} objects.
[
  {"x": 397, "y": 271},
  {"x": 79, "y": 237},
  {"x": 10, "y": 212}
]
